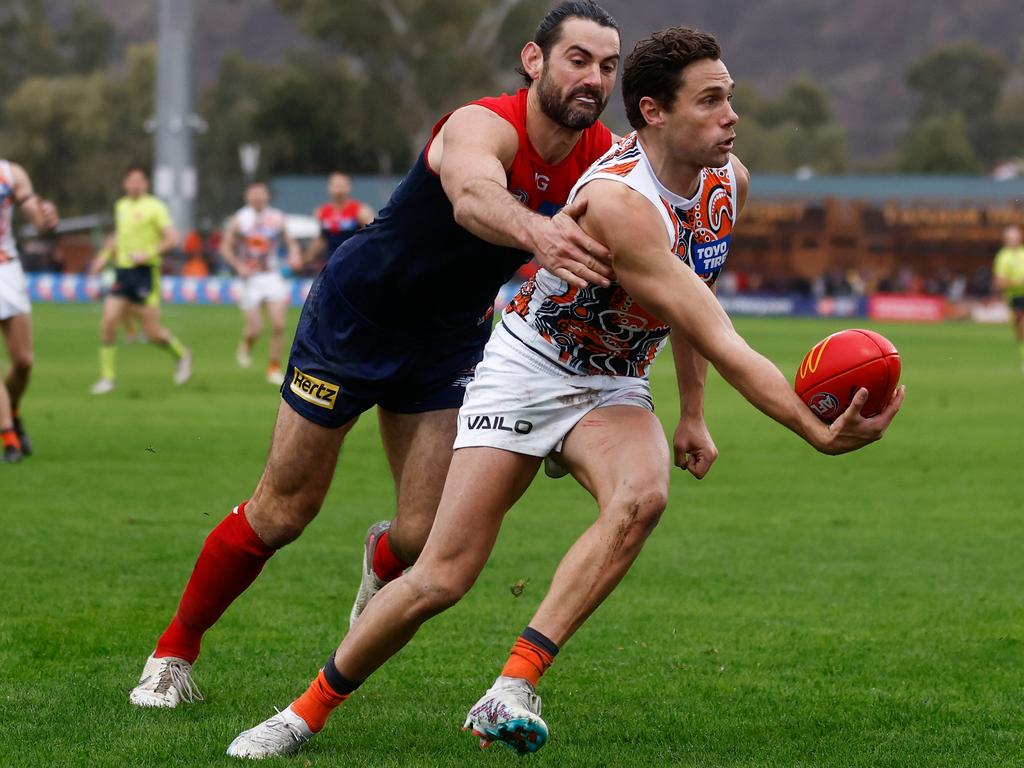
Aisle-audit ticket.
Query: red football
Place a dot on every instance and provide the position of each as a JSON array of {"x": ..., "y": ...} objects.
[{"x": 840, "y": 364}]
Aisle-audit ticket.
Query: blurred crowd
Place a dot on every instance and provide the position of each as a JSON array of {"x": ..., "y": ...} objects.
[{"x": 954, "y": 286}]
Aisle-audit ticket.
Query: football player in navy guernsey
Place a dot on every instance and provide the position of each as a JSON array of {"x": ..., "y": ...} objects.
[
  {"x": 566, "y": 371},
  {"x": 399, "y": 317}
]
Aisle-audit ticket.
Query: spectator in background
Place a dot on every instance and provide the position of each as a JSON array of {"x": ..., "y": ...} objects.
[
  {"x": 1008, "y": 272},
  {"x": 195, "y": 264},
  {"x": 339, "y": 218}
]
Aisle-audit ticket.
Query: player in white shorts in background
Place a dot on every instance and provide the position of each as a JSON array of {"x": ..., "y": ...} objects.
[
  {"x": 253, "y": 243},
  {"x": 566, "y": 372},
  {"x": 15, "y": 308}
]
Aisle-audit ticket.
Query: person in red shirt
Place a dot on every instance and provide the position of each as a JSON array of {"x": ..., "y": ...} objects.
[{"x": 339, "y": 218}]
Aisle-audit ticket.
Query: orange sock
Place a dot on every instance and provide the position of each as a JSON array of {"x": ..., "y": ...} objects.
[
  {"x": 317, "y": 703},
  {"x": 531, "y": 656},
  {"x": 9, "y": 438}
]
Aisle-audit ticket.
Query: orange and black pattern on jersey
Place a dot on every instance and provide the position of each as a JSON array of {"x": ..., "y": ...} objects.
[
  {"x": 620, "y": 160},
  {"x": 704, "y": 231},
  {"x": 600, "y": 331},
  {"x": 604, "y": 331}
]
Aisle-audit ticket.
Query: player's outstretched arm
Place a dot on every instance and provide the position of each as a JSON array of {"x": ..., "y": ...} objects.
[
  {"x": 656, "y": 278},
  {"x": 476, "y": 147}
]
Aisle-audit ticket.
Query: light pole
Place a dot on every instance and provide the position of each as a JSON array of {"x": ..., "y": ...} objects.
[{"x": 174, "y": 171}]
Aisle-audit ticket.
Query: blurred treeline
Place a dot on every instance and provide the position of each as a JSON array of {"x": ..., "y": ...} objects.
[{"x": 365, "y": 92}]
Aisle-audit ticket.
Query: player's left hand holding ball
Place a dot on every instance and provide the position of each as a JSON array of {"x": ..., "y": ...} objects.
[{"x": 852, "y": 431}]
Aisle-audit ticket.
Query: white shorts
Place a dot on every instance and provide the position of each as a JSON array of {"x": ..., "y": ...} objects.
[
  {"x": 13, "y": 291},
  {"x": 524, "y": 403},
  {"x": 261, "y": 287}
]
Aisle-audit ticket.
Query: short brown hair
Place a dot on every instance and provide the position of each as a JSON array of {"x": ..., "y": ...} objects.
[{"x": 654, "y": 67}]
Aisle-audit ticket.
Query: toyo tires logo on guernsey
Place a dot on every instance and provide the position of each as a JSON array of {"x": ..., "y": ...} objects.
[{"x": 710, "y": 257}]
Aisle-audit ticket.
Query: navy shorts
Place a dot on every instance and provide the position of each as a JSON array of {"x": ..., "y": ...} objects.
[
  {"x": 341, "y": 364},
  {"x": 1017, "y": 303},
  {"x": 133, "y": 283}
]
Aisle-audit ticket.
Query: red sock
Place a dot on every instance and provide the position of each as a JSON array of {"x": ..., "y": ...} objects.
[
  {"x": 386, "y": 564},
  {"x": 317, "y": 703},
  {"x": 230, "y": 560},
  {"x": 529, "y": 660}
]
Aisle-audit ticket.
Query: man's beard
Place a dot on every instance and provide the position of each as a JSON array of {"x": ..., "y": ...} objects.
[{"x": 557, "y": 108}]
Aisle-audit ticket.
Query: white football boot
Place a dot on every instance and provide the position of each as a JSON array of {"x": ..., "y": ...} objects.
[
  {"x": 165, "y": 682},
  {"x": 102, "y": 387},
  {"x": 183, "y": 370},
  {"x": 275, "y": 376},
  {"x": 276, "y": 736},
  {"x": 369, "y": 584},
  {"x": 510, "y": 713},
  {"x": 243, "y": 356}
]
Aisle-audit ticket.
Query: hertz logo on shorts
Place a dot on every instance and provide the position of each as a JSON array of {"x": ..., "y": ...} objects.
[{"x": 314, "y": 390}]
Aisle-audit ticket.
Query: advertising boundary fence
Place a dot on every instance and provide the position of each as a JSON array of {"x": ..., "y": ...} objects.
[{"x": 77, "y": 288}]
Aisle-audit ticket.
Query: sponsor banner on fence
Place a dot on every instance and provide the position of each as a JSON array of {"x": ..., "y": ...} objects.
[
  {"x": 801, "y": 306},
  {"x": 907, "y": 306},
  {"x": 46, "y": 286}
]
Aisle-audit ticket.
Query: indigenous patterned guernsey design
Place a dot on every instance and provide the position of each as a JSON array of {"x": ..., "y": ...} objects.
[
  {"x": 604, "y": 331},
  {"x": 260, "y": 238},
  {"x": 8, "y": 248}
]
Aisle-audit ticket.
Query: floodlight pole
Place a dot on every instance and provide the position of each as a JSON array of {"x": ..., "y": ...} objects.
[{"x": 174, "y": 171}]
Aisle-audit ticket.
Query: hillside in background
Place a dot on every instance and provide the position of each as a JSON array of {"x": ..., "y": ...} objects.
[{"x": 859, "y": 51}]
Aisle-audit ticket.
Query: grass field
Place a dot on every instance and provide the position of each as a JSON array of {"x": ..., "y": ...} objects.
[{"x": 791, "y": 609}]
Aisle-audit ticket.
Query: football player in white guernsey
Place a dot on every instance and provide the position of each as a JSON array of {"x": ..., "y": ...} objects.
[
  {"x": 252, "y": 245},
  {"x": 15, "y": 318},
  {"x": 568, "y": 374}
]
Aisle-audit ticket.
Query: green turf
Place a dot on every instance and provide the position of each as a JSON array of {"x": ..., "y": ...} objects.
[{"x": 791, "y": 609}]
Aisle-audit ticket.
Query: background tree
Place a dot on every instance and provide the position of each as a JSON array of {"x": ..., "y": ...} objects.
[
  {"x": 308, "y": 115},
  {"x": 793, "y": 131},
  {"x": 939, "y": 144},
  {"x": 88, "y": 42},
  {"x": 77, "y": 133},
  {"x": 422, "y": 58},
  {"x": 964, "y": 80}
]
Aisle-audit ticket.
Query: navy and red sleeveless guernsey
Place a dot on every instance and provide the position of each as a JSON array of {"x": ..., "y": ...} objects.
[
  {"x": 417, "y": 272},
  {"x": 338, "y": 223},
  {"x": 400, "y": 314}
]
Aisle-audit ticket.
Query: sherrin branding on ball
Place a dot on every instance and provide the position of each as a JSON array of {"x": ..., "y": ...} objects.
[{"x": 840, "y": 364}]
